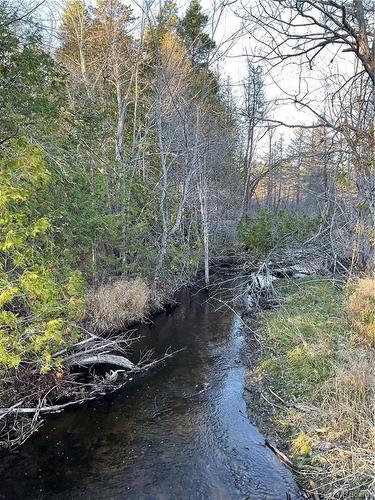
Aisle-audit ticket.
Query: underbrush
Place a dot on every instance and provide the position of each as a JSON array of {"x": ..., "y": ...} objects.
[
  {"x": 276, "y": 230},
  {"x": 318, "y": 361}
]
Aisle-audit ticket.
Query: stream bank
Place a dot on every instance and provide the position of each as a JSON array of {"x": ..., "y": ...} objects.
[
  {"x": 97, "y": 359},
  {"x": 181, "y": 432},
  {"x": 309, "y": 382}
]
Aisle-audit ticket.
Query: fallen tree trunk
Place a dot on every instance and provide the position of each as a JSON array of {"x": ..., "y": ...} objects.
[
  {"x": 101, "y": 359},
  {"x": 97, "y": 390}
]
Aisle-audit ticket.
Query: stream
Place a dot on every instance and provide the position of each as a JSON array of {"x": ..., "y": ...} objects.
[{"x": 180, "y": 432}]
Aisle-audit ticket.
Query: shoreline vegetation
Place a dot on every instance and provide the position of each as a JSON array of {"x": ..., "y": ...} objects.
[
  {"x": 130, "y": 163},
  {"x": 310, "y": 382},
  {"x": 106, "y": 331},
  {"x": 107, "y": 327}
]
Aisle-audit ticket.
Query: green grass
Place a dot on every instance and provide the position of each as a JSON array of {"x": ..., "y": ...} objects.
[
  {"x": 312, "y": 360},
  {"x": 301, "y": 336}
]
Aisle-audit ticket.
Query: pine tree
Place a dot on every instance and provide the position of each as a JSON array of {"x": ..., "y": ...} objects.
[
  {"x": 190, "y": 29},
  {"x": 30, "y": 80}
]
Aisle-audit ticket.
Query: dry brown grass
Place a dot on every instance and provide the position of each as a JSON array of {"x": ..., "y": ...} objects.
[
  {"x": 116, "y": 305},
  {"x": 361, "y": 308},
  {"x": 343, "y": 428},
  {"x": 332, "y": 436}
]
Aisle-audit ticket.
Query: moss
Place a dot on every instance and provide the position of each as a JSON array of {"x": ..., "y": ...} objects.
[{"x": 301, "y": 444}]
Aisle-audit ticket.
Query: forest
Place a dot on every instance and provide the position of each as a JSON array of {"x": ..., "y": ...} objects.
[{"x": 134, "y": 163}]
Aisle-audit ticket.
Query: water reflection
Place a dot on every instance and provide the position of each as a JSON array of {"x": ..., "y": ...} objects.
[{"x": 180, "y": 433}]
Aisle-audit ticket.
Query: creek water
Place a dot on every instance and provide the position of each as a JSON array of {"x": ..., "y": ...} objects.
[{"x": 181, "y": 432}]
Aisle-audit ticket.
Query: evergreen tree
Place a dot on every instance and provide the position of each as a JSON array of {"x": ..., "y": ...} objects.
[
  {"x": 190, "y": 29},
  {"x": 166, "y": 20},
  {"x": 30, "y": 80}
]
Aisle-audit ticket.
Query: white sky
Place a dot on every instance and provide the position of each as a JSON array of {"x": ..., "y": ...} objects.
[
  {"x": 234, "y": 45},
  {"x": 283, "y": 79}
]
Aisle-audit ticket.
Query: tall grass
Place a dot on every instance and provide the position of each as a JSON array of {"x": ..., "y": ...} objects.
[
  {"x": 317, "y": 358},
  {"x": 361, "y": 308},
  {"x": 116, "y": 305}
]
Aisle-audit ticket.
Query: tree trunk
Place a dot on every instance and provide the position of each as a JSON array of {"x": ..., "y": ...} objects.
[
  {"x": 249, "y": 160},
  {"x": 121, "y": 117},
  {"x": 202, "y": 191}
]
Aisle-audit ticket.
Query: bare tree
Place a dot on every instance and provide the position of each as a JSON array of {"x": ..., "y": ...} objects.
[
  {"x": 312, "y": 34},
  {"x": 303, "y": 29},
  {"x": 253, "y": 111}
]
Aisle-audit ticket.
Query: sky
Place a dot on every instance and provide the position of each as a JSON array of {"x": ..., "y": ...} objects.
[
  {"x": 286, "y": 78},
  {"x": 234, "y": 44}
]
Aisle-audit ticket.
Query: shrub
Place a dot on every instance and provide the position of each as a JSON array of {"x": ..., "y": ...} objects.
[
  {"x": 116, "y": 305},
  {"x": 40, "y": 301},
  {"x": 270, "y": 230}
]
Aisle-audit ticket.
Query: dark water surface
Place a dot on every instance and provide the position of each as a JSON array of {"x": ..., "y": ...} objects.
[{"x": 182, "y": 432}]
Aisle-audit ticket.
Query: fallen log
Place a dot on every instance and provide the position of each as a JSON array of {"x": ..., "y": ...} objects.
[
  {"x": 131, "y": 368},
  {"x": 101, "y": 359}
]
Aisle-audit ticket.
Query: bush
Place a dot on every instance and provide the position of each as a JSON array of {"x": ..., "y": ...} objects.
[
  {"x": 270, "y": 230},
  {"x": 115, "y": 305},
  {"x": 40, "y": 301}
]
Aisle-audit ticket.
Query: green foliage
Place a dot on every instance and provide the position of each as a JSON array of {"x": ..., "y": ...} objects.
[
  {"x": 190, "y": 29},
  {"x": 38, "y": 302},
  {"x": 72, "y": 214},
  {"x": 82, "y": 223},
  {"x": 270, "y": 230},
  {"x": 30, "y": 80},
  {"x": 166, "y": 20}
]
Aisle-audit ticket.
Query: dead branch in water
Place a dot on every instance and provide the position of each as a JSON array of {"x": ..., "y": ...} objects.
[
  {"x": 20, "y": 419},
  {"x": 110, "y": 384},
  {"x": 101, "y": 359}
]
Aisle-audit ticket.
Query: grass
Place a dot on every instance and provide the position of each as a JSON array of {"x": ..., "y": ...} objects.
[
  {"x": 116, "y": 305},
  {"x": 361, "y": 309},
  {"x": 318, "y": 359}
]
